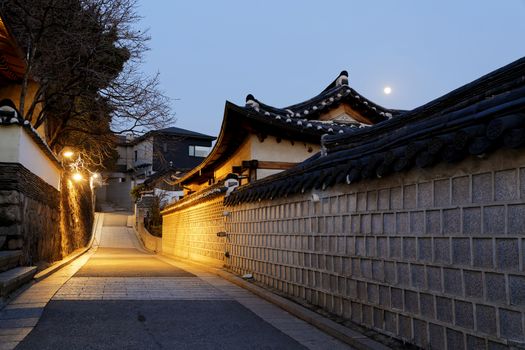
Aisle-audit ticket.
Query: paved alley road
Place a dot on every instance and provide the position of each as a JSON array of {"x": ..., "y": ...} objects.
[{"x": 126, "y": 298}]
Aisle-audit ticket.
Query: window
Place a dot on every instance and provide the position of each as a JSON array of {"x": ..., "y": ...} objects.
[
  {"x": 199, "y": 151},
  {"x": 136, "y": 155}
]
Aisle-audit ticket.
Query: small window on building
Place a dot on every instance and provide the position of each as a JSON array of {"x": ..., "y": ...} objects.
[
  {"x": 199, "y": 151},
  {"x": 136, "y": 155},
  {"x": 122, "y": 179}
]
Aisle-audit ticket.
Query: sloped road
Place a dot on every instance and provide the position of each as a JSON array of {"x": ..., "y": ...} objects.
[{"x": 126, "y": 298}]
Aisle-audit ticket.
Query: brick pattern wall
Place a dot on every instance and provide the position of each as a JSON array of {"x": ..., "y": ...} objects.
[
  {"x": 435, "y": 257},
  {"x": 192, "y": 232}
]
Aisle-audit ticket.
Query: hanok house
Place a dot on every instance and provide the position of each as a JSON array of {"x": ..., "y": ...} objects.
[
  {"x": 258, "y": 140},
  {"x": 413, "y": 228},
  {"x": 151, "y": 158}
]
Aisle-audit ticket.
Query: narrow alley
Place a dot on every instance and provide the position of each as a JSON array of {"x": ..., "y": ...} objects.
[{"x": 118, "y": 296}]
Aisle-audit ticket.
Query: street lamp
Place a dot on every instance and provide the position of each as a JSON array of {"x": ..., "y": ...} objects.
[
  {"x": 77, "y": 177},
  {"x": 68, "y": 154}
]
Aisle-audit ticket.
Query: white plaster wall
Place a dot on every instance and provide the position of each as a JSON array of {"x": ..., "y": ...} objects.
[
  {"x": 144, "y": 152},
  {"x": 284, "y": 151},
  {"x": 18, "y": 147}
]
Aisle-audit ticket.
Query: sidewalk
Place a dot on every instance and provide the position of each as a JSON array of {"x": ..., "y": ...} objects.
[{"x": 118, "y": 296}]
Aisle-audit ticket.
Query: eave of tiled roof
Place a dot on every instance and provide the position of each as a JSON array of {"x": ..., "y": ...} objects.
[{"x": 475, "y": 119}]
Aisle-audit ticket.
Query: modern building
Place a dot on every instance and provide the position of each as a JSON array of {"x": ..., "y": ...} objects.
[{"x": 158, "y": 152}]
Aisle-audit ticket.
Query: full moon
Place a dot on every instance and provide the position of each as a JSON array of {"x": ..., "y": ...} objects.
[{"x": 387, "y": 90}]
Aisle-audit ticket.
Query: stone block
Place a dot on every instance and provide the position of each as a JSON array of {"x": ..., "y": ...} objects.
[
  {"x": 405, "y": 327},
  {"x": 482, "y": 188},
  {"x": 15, "y": 243},
  {"x": 472, "y": 221},
  {"x": 444, "y": 309},
  {"x": 455, "y": 339},
  {"x": 361, "y": 290},
  {"x": 451, "y": 221},
  {"x": 420, "y": 333},
  {"x": 350, "y": 245},
  {"x": 424, "y": 195},
  {"x": 437, "y": 336},
  {"x": 10, "y": 197},
  {"x": 475, "y": 342},
  {"x": 494, "y": 220},
  {"x": 384, "y": 199},
  {"x": 417, "y": 273},
  {"x": 433, "y": 222},
  {"x": 460, "y": 190},
  {"x": 505, "y": 185},
  {"x": 453, "y": 281},
  {"x": 403, "y": 274},
  {"x": 495, "y": 287},
  {"x": 11, "y": 230},
  {"x": 361, "y": 201},
  {"x": 366, "y": 268},
  {"x": 516, "y": 219},
  {"x": 409, "y": 197},
  {"x": 396, "y": 198},
  {"x": 389, "y": 223},
  {"x": 402, "y": 223},
  {"x": 390, "y": 272},
  {"x": 442, "y": 193},
  {"x": 507, "y": 254},
  {"x": 397, "y": 298},
  {"x": 497, "y": 346},
  {"x": 464, "y": 313},
  {"x": 367, "y": 315},
  {"x": 473, "y": 284},
  {"x": 356, "y": 312},
  {"x": 417, "y": 222},
  {"x": 360, "y": 246},
  {"x": 384, "y": 296},
  {"x": 371, "y": 203},
  {"x": 351, "y": 288},
  {"x": 378, "y": 272},
  {"x": 434, "y": 278},
  {"x": 390, "y": 322},
  {"x": 409, "y": 248},
  {"x": 378, "y": 318},
  {"x": 442, "y": 250},
  {"x": 424, "y": 251},
  {"x": 395, "y": 247},
  {"x": 377, "y": 224},
  {"x": 510, "y": 324},
  {"x": 427, "y": 305},
  {"x": 486, "y": 319},
  {"x": 411, "y": 302},
  {"x": 356, "y": 267},
  {"x": 461, "y": 251},
  {"x": 382, "y": 247},
  {"x": 366, "y": 224},
  {"x": 372, "y": 291},
  {"x": 517, "y": 289},
  {"x": 9, "y": 215},
  {"x": 483, "y": 252},
  {"x": 352, "y": 202},
  {"x": 371, "y": 246}
]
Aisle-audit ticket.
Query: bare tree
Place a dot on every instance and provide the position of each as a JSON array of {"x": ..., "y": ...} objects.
[{"x": 85, "y": 57}]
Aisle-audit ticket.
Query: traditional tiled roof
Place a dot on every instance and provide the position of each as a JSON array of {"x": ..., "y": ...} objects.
[
  {"x": 10, "y": 116},
  {"x": 475, "y": 119},
  {"x": 168, "y": 132},
  {"x": 306, "y": 115},
  {"x": 299, "y": 122}
]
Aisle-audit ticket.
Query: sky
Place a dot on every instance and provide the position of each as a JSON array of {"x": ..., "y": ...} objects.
[{"x": 287, "y": 51}]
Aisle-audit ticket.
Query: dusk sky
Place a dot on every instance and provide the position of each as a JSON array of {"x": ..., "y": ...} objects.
[{"x": 284, "y": 52}]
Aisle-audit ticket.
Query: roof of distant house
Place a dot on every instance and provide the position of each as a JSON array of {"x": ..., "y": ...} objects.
[{"x": 171, "y": 131}]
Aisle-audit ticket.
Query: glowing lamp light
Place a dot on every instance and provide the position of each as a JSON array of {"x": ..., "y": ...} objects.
[
  {"x": 95, "y": 176},
  {"x": 68, "y": 154},
  {"x": 77, "y": 177},
  {"x": 387, "y": 90}
]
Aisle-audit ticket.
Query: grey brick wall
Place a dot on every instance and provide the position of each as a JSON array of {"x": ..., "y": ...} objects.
[{"x": 433, "y": 256}]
